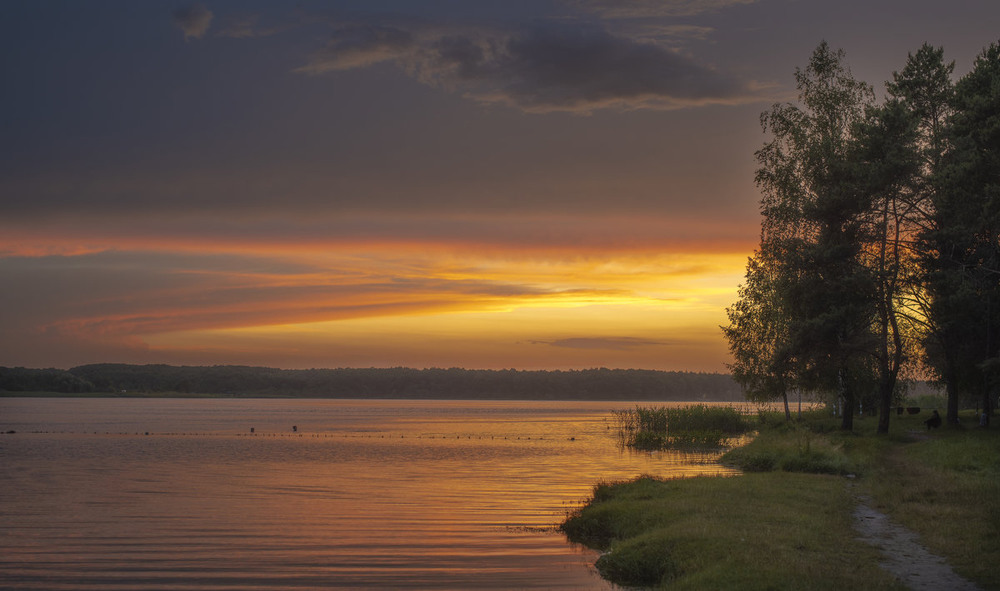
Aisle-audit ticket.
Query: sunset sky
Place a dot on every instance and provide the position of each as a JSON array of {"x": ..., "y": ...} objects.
[{"x": 524, "y": 184}]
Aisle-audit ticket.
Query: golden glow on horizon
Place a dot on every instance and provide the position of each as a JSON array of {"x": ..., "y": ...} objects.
[
  {"x": 371, "y": 303},
  {"x": 545, "y": 313}
]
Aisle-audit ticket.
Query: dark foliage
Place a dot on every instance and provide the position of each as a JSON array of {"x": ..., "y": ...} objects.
[{"x": 20, "y": 379}]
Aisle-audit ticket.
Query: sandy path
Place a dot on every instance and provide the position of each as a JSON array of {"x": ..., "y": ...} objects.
[{"x": 903, "y": 555}]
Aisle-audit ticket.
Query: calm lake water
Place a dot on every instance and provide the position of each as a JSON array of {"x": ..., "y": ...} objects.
[{"x": 178, "y": 494}]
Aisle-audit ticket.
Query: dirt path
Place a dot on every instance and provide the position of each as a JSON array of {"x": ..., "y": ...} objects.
[{"x": 903, "y": 555}]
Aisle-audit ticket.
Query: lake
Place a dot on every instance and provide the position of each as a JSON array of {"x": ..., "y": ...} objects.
[{"x": 384, "y": 494}]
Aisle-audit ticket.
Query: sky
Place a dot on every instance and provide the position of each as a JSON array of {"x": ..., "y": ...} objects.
[{"x": 525, "y": 184}]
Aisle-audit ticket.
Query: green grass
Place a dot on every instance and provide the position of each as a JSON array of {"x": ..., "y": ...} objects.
[
  {"x": 947, "y": 489},
  {"x": 792, "y": 447},
  {"x": 786, "y": 523},
  {"x": 758, "y": 531},
  {"x": 927, "y": 401}
]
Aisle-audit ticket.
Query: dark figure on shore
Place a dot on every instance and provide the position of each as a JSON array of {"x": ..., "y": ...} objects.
[{"x": 934, "y": 422}]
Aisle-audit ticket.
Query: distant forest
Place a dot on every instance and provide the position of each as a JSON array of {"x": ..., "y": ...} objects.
[{"x": 449, "y": 384}]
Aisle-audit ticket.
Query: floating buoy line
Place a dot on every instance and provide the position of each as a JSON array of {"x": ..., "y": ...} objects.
[{"x": 296, "y": 434}]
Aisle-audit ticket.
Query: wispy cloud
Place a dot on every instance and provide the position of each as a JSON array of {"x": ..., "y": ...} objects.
[
  {"x": 246, "y": 26},
  {"x": 194, "y": 20},
  {"x": 608, "y": 343},
  {"x": 595, "y": 235},
  {"x": 634, "y": 9},
  {"x": 359, "y": 46}
]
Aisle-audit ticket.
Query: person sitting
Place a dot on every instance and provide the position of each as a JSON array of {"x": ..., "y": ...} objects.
[{"x": 934, "y": 422}]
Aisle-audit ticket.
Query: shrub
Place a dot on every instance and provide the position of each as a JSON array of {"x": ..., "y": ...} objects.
[
  {"x": 754, "y": 462},
  {"x": 794, "y": 448}
]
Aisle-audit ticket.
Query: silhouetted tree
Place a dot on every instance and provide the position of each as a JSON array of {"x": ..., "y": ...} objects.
[
  {"x": 886, "y": 169},
  {"x": 812, "y": 210},
  {"x": 880, "y": 232},
  {"x": 758, "y": 334},
  {"x": 924, "y": 87},
  {"x": 963, "y": 244}
]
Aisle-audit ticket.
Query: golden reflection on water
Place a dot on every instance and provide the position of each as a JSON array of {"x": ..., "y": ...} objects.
[{"x": 379, "y": 494}]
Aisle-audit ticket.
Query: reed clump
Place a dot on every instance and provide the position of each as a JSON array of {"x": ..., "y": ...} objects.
[{"x": 699, "y": 425}]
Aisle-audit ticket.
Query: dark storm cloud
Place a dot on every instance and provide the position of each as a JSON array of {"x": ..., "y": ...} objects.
[
  {"x": 569, "y": 68},
  {"x": 194, "y": 20},
  {"x": 544, "y": 68}
]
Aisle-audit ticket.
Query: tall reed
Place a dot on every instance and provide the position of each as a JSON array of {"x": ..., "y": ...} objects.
[{"x": 698, "y": 425}]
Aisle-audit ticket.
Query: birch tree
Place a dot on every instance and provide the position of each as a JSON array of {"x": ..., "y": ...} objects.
[{"x": 811, "y": 211}]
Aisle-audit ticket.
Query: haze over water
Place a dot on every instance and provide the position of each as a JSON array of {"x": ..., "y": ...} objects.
[{"x": 366, "y": 494}]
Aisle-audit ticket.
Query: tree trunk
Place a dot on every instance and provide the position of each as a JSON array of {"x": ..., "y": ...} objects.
[
  {"x": 847, "y": 419},
  {"x": 788, "y": 413},
  {"x": 987, "y": 409},
  {"x": 951, "y": 387},
  {"x": 892, "y": 356},
  {"x": 886, "y": 387}
]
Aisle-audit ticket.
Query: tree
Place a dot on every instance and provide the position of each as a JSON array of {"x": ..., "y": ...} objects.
[
  {"x": 758, "y": 334},
  {"x": 963, "y": 243},
  {"x": 924, "y": 87},
  {"x": 812, "y": 212},
  {"x": 884, "y": 168}
]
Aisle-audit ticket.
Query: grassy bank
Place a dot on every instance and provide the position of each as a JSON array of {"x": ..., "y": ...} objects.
[{"x": 787, "y": 522}]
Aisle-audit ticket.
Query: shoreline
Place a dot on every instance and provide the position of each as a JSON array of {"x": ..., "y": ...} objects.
[{"x": 789, "y": 521}]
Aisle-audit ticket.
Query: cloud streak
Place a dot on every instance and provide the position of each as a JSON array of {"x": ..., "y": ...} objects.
[
  {"x": 639, "y": 9},
  {"x": 360, "y": 46},
  {"x": 601, "y": 235},
  {"x": 605, "y": 343},
  {"x": 247, "y": 26}
]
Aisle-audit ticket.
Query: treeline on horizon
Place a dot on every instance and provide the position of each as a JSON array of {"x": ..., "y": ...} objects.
[{"x": 392, "y": 383}]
